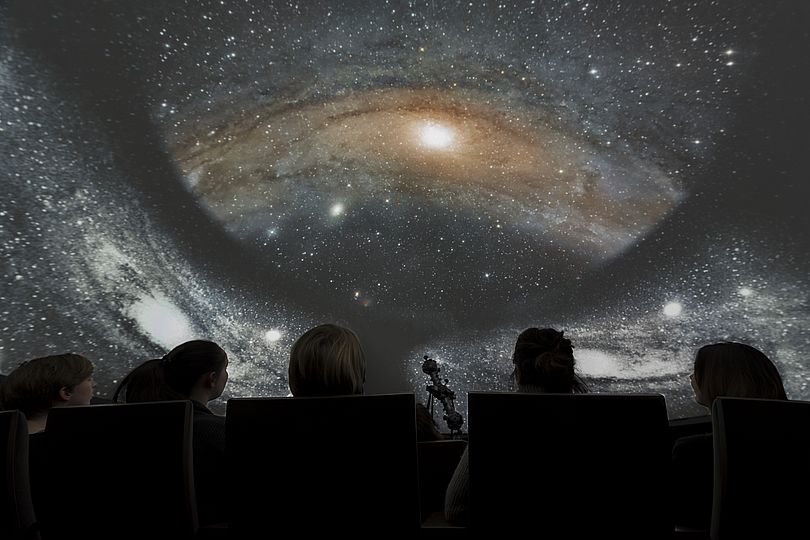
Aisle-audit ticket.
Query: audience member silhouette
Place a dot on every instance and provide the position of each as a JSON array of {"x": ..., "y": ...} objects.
[
  {"x": 198, "y": 371},
  {"x": 720, "y": 369},
  {"x": 35, "y": 387},
  {"x": 38, "y": 385},
  {"x": 544, "y": 363},
  {"x": 327, "y": 360},
  {"x": 426, "y": 428}
]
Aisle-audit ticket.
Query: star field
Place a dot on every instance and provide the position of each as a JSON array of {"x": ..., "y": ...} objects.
[{"x": 436, "y": 175}]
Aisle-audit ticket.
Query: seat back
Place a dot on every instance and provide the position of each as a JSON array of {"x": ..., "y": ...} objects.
[
  {"x": 761, "y": 468},
  {"x": 341, "y": 464},
  {"x": 569, "y": 465},
  {"x": 121, "y": 471},
  {"x": 17, "y": 519},
  {"x": 437, "y": 463}
]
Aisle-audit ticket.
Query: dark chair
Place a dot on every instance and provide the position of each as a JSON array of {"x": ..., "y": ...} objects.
[
  {"x": 120, "y": 471},
  {"x": 569, "y": 465},
  {"x": 761, "y": 468},
  {"x": 691, "y": 440},
  {"x": 327, "y": 465},
  {"x": 689, "y": 426},
  {"x": 437, "y": 462},
  {"x": 17, "y": 520},
  {"x": 693, "y": 484}
]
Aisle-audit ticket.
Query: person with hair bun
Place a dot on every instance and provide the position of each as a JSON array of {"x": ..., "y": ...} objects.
[
  {"x": 544, "y": 363},
  {"x": 196, "y": 370}
]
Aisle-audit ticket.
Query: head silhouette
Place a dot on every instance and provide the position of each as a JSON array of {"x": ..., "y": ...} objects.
[
  {"x": 175, "y": 376},
  {"x": 734, "y": 370},
  {"x": 327, "y": 360},
  {"x": 37, "y": 385},
  {"x": 544, "y": 362}
]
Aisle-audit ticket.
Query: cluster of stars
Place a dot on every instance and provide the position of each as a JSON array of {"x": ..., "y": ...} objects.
[{"x": 387, "y": 159}]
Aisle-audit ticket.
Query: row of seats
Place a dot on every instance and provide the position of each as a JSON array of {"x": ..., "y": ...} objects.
[{"x": 560, "y": 466}]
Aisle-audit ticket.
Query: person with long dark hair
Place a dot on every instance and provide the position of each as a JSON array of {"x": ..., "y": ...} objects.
[
  {"x": 721, "y": 369},
  {"x": 198, "y": 371}
]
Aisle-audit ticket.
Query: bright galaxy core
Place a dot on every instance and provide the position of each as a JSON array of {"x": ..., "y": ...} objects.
[
  {"x": 437, "y": 176},
  {"x": 432, "y": 151}
]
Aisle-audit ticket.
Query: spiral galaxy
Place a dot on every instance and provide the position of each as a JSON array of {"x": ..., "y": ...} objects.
[
  {"x": 438, "y": 176},
  {"x": 449, "y": 151}
]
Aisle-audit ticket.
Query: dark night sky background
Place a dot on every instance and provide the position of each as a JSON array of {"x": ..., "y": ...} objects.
[{"x": 242, "y": 171}]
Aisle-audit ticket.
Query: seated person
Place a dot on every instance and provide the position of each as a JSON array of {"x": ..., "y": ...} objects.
[
  {"x": 327, "y": 360},
  {"x": 720, "y": 369},
  {"x": 198, "y": 371},
  {"x": 35, "y": 387},
  {"x": 544, "y": 363},
  {"x": 38, "y": 385}
]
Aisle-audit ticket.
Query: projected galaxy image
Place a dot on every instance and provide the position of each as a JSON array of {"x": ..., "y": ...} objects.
[{"x": 438, "y": 176}]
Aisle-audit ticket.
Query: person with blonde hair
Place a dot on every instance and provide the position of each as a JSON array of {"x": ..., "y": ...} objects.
[{"x": 327, "y": 360}]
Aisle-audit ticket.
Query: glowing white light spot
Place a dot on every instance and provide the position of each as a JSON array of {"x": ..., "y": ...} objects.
[
  {"x": 161, "y": 320},
  {"x": 745, "y": 291},
  {"x": 337, "y": 209},
  {"x": 729, "y": 52},
  {"x": 273, "y": 335},
  {"x": 435, "y": 136},
  {"x": 598, "y": 363},
  {"x": 673, "y": 309}
]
